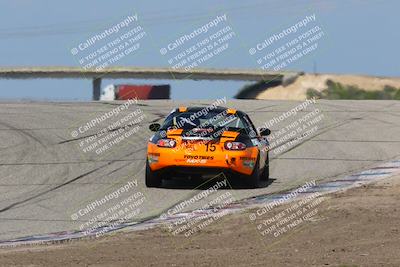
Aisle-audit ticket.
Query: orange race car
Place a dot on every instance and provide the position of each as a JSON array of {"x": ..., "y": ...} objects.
[{"x": 198, "y": 142}]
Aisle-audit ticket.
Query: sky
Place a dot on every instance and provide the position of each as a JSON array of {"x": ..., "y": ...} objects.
[{"x": 359, "y": 37}]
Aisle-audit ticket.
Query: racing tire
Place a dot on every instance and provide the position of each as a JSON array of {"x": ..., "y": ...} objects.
[
  {"x": 254, "y": 178},
  {"x": 152, "y": 179},
  {"x": 265, "y": 172}
]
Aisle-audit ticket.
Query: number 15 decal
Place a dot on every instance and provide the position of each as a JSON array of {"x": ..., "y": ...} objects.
[{"x": 210, "y": 147}]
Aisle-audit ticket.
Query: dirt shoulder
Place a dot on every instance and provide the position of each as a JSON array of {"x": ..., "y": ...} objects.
[{"x": 359, "y": 227}]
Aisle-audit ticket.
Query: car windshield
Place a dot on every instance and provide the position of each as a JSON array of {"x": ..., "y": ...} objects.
[{"x": 191, "y": 120}]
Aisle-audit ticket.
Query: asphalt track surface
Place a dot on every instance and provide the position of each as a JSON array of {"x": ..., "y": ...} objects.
[{"x": 45, "y": 176}]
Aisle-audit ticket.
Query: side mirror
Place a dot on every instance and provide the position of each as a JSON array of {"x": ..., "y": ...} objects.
[
  {"x": 265, "y": 131},
  {"x": 154, "y": 127}
]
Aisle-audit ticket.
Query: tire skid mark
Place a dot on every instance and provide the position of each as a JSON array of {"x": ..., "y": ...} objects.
[
  {"x": 24, "y": 132},
  {"x": 67, "y": 162},
  {"x": 151, "y": 221},
  {"x": 94, "y": 134},
  {"x": 356, "y": 141},
  {"x": 325, "y": 130},
  {"x": 23, "y": 203},
  {"x": 333, "y": 159},
  {"x": 53, "y": 188},
  {"x": 349, "y": 181},
  {"x": 159, "y": 116}
]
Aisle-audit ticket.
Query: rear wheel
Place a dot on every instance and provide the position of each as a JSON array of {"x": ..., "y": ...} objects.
[
  {"x": 265, "y": 172},
  {"x": 254, "y": 178},
  {"x": 152, "y": 179}
]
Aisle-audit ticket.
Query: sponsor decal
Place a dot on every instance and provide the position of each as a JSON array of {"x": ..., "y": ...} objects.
[
  {"x": 198, "y": 157},
  {"x": 196, "y": 161}
]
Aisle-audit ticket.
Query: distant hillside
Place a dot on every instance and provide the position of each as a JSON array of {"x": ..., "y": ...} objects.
[
  {"x": 337, "y": 91},
  {"x": 297, "y": 89}
]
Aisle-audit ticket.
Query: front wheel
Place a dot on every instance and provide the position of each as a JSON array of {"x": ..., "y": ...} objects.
[{"x": 152, "y": 179}]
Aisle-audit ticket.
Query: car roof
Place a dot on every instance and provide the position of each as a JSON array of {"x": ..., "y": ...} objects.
[{"x": 216, "y": 109}]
